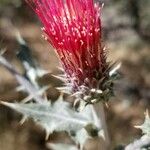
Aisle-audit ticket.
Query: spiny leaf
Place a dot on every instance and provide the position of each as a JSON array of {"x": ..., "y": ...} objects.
[
  {"x": 81, "y": 137},
  {"x": 61, "y": 146},
  {"x": 56, "y": 117},
  {"x": 24, "y": 83},
  {"x": 140, "y": 144},
  {"x": 145, "y": 127},
  {"x": 24, "y": 54}
]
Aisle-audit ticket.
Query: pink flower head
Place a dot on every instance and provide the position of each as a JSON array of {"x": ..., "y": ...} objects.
[{"x": 73, "y": 28}]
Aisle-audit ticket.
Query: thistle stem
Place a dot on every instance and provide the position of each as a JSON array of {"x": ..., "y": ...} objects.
[{"x": 100, "y": 112}]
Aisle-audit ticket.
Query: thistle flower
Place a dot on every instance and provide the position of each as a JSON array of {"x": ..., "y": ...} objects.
[{"x": 73, "y": 28}]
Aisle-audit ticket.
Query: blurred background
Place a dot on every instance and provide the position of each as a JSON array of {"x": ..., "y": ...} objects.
[{"x": 126, "y": 34}]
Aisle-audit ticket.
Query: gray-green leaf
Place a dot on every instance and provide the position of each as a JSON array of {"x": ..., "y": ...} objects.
[{"x": 56, "y": 117}]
